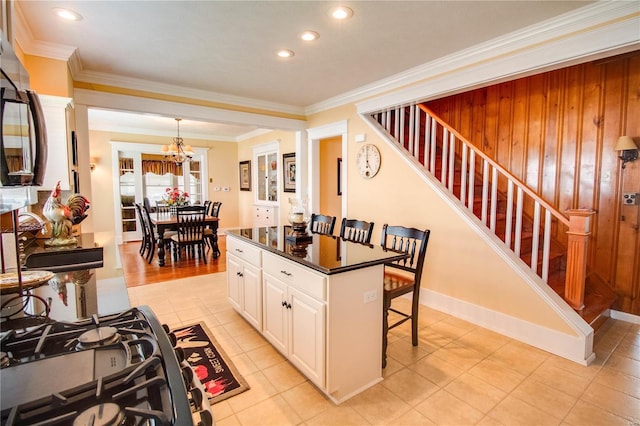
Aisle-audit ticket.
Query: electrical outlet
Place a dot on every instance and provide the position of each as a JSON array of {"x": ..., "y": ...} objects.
[
  {"x": 370, "y": 296},
  {"x": 631, "y": 199}
]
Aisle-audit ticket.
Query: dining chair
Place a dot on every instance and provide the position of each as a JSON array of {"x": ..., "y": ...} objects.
[
  {"x": 144, "y": 243},
  {"x": 164, "y": 209},
  {"x": 147, "y": 203},
  {"x": 211, "y": 235},
  {"x": 322, "y": 224},
  {"x": 207, "y": 206},
  {"x": 146, "y": 215},
  {"x": 215, "y": 208},
  {"x": 190, "y": 232},
  {"x": 358, "y": 231},
  {"x": 402, "y": 277}
]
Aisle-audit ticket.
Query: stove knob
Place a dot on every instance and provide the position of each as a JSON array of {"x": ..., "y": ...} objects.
[
  {"x": 206, "y": 418},
  {"x": 187, "y": 375},
  {"x": 196, "y": 398},
  {"x": 173, "y": 339},
  {"x": 166, "y": 328},
  {"x": 179, "y": 354}
]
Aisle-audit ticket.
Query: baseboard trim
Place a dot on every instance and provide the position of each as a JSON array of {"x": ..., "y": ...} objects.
[
  {"x": 624, "y": 316},
  {"x": 578, "y": 348}
]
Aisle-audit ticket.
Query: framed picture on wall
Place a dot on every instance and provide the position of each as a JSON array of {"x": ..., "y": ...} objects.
[
  {"x": 289, "y": 172},
  {"x": 245, "y": 175}
]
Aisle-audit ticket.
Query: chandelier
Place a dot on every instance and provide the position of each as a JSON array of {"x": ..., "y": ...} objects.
[{"x": 178, "y": 152}]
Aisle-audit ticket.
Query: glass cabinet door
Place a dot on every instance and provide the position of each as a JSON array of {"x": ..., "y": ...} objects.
[
  {"x": 267, "y": 176},
  {"x": 127, "y": 188}
]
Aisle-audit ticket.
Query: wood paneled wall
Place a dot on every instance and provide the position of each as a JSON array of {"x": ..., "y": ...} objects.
[{"x": 556, "y": 132}]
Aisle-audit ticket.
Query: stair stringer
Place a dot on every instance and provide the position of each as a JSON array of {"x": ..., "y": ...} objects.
[{"x": 573, "y": 340}]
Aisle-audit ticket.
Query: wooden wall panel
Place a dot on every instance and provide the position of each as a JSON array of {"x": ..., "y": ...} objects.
[
  {"x": 556, "y": 131},
  {"x": 534, "y": 153}
]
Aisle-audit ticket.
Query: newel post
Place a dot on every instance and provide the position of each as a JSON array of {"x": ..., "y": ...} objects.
[{"x": 578, "y": 240}]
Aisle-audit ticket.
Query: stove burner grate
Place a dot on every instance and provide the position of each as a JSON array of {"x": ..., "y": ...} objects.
[{"x": 129, "y": 374}]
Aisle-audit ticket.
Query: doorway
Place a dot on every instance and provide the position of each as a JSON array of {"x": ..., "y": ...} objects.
[
  {"x": 328, "y": 142},
  {"x": 330, "y": 159}
]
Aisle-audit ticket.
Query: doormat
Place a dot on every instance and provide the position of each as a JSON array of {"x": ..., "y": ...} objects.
[{"x": 211, "y": 365}]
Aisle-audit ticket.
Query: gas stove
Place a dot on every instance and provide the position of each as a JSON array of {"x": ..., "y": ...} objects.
[{"x": 120, "y": 369}]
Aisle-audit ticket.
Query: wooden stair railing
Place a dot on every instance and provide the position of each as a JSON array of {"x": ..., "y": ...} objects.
[{"x": 525, "y": 222}]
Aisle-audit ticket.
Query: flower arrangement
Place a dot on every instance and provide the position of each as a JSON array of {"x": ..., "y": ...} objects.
[{"x": 175, "y": 197}]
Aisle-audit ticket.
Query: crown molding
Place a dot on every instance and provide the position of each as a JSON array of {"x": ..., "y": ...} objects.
[
  {"x": 30, "y": 46},
  {"x": 114, "y": 80},
  {"x": 594, "y": 29}
]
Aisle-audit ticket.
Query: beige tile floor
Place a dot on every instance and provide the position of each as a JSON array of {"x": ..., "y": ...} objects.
[{"x": 459, "y": 374}]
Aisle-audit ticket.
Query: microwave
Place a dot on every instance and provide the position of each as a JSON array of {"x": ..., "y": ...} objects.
[{"x": 23, "y": 141}]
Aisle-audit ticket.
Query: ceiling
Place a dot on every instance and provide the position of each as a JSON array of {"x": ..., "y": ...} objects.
[{"x": 225, "y": 50}]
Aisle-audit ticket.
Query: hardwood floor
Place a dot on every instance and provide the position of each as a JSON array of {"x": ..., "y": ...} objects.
[{"x": 138, "y": 272}]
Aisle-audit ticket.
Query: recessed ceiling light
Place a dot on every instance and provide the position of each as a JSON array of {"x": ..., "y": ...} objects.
[
  {"x": 67, "y": 14},
  {"x": 285, "y": 53},
  {"x": 340, "y": 12},
  {"x": 309, "y": 35}
]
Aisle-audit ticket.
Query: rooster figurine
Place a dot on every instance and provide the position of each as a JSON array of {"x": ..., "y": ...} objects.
[{"x": 64, "y": 216}]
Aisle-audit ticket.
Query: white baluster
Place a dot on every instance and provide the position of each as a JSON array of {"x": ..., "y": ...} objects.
[
  {"x": 546, "y": 245},
  {"x": 518, "y": 241},
  {"x": 494, "y": 199},
  {"x": 536, "y": 237}
]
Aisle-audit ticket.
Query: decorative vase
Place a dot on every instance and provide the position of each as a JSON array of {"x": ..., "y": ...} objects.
[{"x": 298, "y": 217}]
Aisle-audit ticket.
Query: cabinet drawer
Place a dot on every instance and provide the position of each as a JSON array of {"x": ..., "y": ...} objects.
[
  {"x": 294, "y": 275},
  {"x": 244, "y": 251},
  {"x": 265, "y": 215}
]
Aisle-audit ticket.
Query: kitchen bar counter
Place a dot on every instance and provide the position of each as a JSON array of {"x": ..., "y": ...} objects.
[
  {"x": 85, "y": 254},
  {"x": 73, "y": 293},
  {"x": 325, "y": 254},
  {"x": 319, "y": 304}
]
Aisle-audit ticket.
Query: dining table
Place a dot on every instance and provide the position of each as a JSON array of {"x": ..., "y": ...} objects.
[{"x": 169, "y": 222}]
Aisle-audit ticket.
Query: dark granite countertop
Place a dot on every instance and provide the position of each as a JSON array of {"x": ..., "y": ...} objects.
[{"x": 325, "y": 254}]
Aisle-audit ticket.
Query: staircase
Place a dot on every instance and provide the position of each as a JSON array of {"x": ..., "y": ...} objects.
[{"x": 552, "y": 244}]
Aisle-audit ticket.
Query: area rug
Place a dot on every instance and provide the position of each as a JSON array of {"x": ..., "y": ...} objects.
[{"x": 213, "y": 367}]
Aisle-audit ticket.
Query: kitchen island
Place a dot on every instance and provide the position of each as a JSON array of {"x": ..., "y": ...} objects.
[{"x": 319, "y": 303}]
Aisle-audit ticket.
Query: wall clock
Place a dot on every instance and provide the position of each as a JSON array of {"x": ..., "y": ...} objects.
[{"x": 368, "y": 161}]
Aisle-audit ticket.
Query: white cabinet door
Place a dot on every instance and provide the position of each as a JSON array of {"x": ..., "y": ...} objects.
[
  {"x": 244, "y": 289},
  {"x": 252, "y": 295},
  {"x": 294, "y": 323},
  {"x": 234, "y": 271},
  {"x": 275, "y": 319},
  {"x": 307, "y": 335}
]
